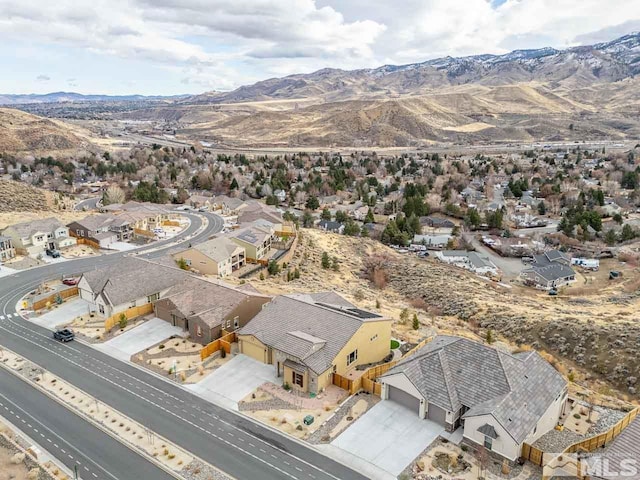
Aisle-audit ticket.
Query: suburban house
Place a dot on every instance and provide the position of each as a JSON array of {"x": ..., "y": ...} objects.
[
  {"x": 331, "y": 226},
  {"x": 470, "y": 260},
  {"x": 309, "y": 337},
  {"x": 205, "y": 309},
  {"x": 436, "y": 225},
  {"x": 200, "y": 201},
  {"x": 432, "y": 241},
  {"x": 219, "y": 256},
  {"x": 254, "y": 239},
  {"x": 226, "y": 205},
  {"x": 143, "y": 217},
  {"x": 34, "y": 237},
  {"x": 500, "y": 400},
  {"x": 549, "y": 270},
  {"x": 6, "y": 249},
  {"x": 103, "y": 229},
  {"x": 132, "y": 282}
]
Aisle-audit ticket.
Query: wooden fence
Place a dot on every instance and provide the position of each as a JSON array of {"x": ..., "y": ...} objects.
[
  {"x": 367, "y": 381},
  {"x": 87, "y": 241},
  {"x": 171, "y": 223},
  {"x": 143, "y": 233},
  {"x": 222, "y": 343},
  {"x": 552, "y": 462},
  {"x": 50, "y": 300},
  {"x": 132, "y": 312}
]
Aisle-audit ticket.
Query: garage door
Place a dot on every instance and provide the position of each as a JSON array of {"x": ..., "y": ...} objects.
[
  {"x": 404, "y": 398},
  {"x": 437, "y": 414},
  {"x": 253, "y": 351}
]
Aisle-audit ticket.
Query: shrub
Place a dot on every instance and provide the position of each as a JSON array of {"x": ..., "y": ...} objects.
[
  {"x": 416, "y": 322},
  {"x": 286, "y": 386},
  {"x": 123, "y": 321}
]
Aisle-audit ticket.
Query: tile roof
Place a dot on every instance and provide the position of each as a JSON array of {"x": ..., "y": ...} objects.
[
  {"x": 211, "y": 302},
  {"x": 552, "y": 271},
  {"x": 132, "y": 278},
  {"x": 453, "y": 371},
  {"x": 219, "y": 249},
  {"x": 624, "y": 448},
  {"x": 46, "y": 225},
  {"x": 311, "y": 332}
]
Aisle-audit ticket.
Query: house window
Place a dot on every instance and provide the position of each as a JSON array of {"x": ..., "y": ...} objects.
[
  {"x": 375, "y": 337},
  {"x": 101, "y": 308},
  {"x": 236, "y": 322},
  {"x": 298, "y": 379},
  {"x": 488, "y": 442},
  {"x": 352, "y": 357},
  {"x": 198, "y": 330},
  {"x": 153, "y": 298}
]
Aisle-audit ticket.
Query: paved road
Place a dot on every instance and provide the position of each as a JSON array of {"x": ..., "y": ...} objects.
[
  {"x": 226, "y": 439},
  {"x": 88, "y": 204},
  {"x": 69, "y": 437}
]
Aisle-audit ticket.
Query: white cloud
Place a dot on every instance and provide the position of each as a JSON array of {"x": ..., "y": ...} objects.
[
  {"x": 222, "y": 44},
  {"x": 43, "y": 78}
]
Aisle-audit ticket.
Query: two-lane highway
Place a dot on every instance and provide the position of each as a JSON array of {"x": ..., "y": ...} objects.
[{"x": 225, "y": 439}]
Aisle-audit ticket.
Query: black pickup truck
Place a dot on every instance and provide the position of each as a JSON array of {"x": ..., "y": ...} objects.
[{"x": 64, "y": 335}]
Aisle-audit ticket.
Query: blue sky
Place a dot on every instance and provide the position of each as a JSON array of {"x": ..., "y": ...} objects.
[{"x": 166, "y": 47}]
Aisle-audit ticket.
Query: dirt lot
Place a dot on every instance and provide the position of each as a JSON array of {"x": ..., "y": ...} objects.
[{"x": 591, "y": 331}]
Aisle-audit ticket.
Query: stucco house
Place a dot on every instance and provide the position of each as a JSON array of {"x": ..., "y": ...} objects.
[
  {"x": 205, "y": 309},
  {"x": 256, "y": 241},
  {"x": 131, "y": 282},
  {"x": 34, "y": 237},
  {"x": 309, "y": 337},
  {"x": 500, "y": 400},
  {"x": 218, "y": 256},
  {"x": 7, "y": 251}
]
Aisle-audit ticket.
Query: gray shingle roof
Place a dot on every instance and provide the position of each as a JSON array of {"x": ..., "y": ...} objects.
[
  {"x": 488, "y": 430},
  {"x": 624, "y": 448},
  {"x": 452, "y": 372},
  {"x": 552, "y": 271},
  {"x": 312, "y": 333},
  {"x": 132, "y": 278}
]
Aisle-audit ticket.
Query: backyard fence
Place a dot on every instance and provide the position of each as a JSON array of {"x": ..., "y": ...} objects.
[
  {"x": 132, "y": 312},
  {"x": 50, "y": 300},
  {"x": 222, "y": 343},
  {"x": 367, "y": 381},
  {"x": 171, "y": 223},
  {"x": 86, "y": 241},
  {"x": 552, "y": 462},
  {"x": 143, "y": 233}
]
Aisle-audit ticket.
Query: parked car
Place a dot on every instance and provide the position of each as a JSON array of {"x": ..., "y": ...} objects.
[
  {"x": 64, "y": 335},
  {"x": 70, "y": 281},
  {"x": 52, "y": 252}
]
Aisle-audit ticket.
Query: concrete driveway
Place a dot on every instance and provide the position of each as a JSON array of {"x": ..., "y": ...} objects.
[
  {"x": 62, "y": 314},
  {"x": 139, "y": 338},
  {"x": 389, "y": 436},
  {"x": 234, "y": 380}
]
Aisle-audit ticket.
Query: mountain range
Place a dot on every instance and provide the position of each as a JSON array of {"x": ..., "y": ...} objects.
[{"x": 580, "y": 93}]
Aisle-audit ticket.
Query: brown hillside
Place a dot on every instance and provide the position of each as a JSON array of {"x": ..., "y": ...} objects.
[{"x": 23, "y": 132}]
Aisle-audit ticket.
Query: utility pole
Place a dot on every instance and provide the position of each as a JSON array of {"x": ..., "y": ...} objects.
[{"x": 75, "y": 472}]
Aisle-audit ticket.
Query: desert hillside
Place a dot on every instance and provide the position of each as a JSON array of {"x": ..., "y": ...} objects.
[
  {"x": 20, "y": 202},
  {"x": 22, "y": 132}
]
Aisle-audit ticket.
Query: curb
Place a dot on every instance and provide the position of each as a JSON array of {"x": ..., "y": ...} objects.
[
  {"x": 93, "y": 422},
  {"x": 63, "y": 468}
]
